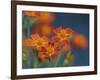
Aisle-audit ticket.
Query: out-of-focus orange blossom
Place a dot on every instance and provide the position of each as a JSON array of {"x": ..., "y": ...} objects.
[
  {"x": 28, "y": 43},
  {"x": 80, "y": 41},
  {"x": 46, "y": 17},
  {"x": 46, "y": 30},
  {"x": 30, "y": 13},
  {"x": 43, "y": 30},
  {"x": 44, "y": 27}
]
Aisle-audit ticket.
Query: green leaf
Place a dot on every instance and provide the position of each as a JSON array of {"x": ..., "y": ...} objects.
[
  {"x": 57, "y": 60},
  {"x": 69, "y": 60},
  {"x": 44, "y": 63},
  {"x": 24, "y": 56},
  {"x": 35, "y": 61}
]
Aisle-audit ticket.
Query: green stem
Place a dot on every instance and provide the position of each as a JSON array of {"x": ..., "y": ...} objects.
[{"x": 57, "y": 60}]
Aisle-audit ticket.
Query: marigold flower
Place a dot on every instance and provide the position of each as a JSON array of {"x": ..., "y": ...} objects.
[
  {"x": 36, "y": 41},
  {"x": 30, "y": 13},
  {"x": 80, "y": 41},
  {"x": 28, "y": 43},
  {"x": 46, "y": 30},
  {"x": 46, "y": 17},
  {"x": 52, "y": 50},
  {"x": 48, "y": 52},
  {"x": 39, "y": 41},
  {"x": 42, "y": 56},
  {"x": 63, "y": 36}
]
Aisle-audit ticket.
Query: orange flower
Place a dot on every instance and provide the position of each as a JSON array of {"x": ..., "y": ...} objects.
[
  {"x": 46, "y": 30},
  {"x": 51, "y": 51},
  {"x": 30, "y": 13},
  {"x": 80, "y": 41},
  {"x": 46, "y": 17},
  {"x": 42, "y": 56},
  {"x": 48, "y": 52},
  {"x": 62, "y": 35},
  {"x": 38, "y": 41},
  {"x": 28, "y": 43}
]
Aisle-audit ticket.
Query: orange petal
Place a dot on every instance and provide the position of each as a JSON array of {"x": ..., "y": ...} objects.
[
  {"x": 35, "y": 36},
  {"x": 30, "y": 13},
  {"x": 80, "y": 41},
  {"x": 28, "y": 42}
]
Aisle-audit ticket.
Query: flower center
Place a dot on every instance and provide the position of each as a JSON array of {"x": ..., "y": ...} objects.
[{"x": 50, "y": 50}]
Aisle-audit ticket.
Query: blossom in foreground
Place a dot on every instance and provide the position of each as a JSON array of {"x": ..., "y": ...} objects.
[
  {"x": 36, "y": 41},
  {"x": 62, "y": 34},
  {"x": 48, "y": 52},
  {"x": 42, "y": 55},
  {"x": 63, "y": 37}
]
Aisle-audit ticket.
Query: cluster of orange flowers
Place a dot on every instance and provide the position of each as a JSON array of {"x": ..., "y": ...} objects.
[
  {"x": 60, "y": 40},
  {"x": 45, "y": 48}
]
